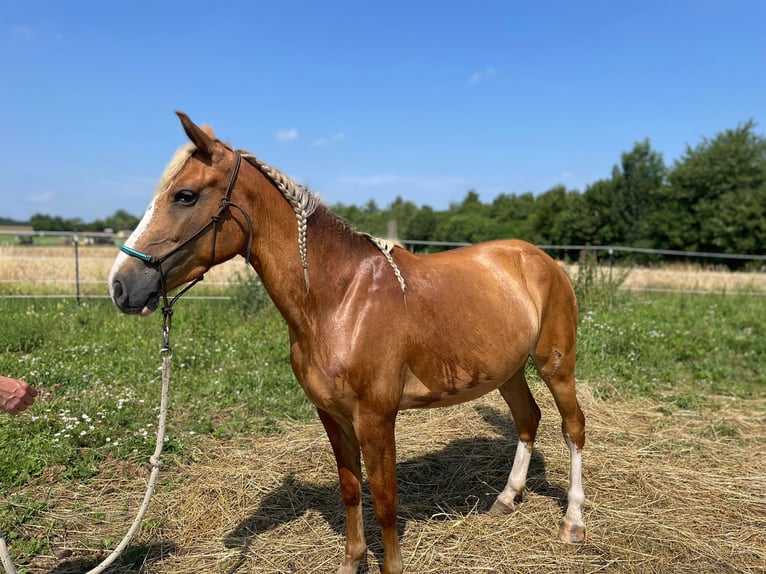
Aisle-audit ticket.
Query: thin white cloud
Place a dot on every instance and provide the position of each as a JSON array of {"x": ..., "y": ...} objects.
[
  {"x": 19, "y": 32},
  {"x": 477, "y": 77},
  {"x": 333, "y": 139},
  {"x": 40, "y": 198},
  {"x": 371, "y": 180},
  {"x": 139, "y": 186},
  {"x": 427, "y": 184},
  {"x": 571, "y": 179},
  {"x": 286, "y": 135}
]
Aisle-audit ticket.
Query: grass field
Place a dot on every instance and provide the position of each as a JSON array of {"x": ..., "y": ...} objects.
[{"x": 675, "y": 471}]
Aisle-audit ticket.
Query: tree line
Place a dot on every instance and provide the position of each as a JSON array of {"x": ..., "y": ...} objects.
[
  {"x": 713, "y": 198},
  {"x": 120, "y": 220}
]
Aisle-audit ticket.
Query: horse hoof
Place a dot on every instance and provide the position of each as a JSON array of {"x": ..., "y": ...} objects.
[
  {"x": 499, "y": 507},
  {"x": 571, "y": 533}
]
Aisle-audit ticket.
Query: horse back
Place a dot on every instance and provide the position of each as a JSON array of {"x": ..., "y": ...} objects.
[{"x": 499, "y": 272}]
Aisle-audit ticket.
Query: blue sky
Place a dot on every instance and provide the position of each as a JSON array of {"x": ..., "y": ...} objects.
[{"x": 364, "y": 100}]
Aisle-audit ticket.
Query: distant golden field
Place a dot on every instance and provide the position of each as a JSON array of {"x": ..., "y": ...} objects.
[
  {"x": 51, "y": 270},
  {"x": 686, "y": 277}
]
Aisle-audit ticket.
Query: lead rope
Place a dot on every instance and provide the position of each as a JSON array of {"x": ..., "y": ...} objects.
[{"x": 166, "y": 354}]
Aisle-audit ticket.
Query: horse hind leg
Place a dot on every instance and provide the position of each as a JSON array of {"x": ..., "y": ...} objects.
[
  {"x": 526, "y": 416},
  {"x": 556, "y": 367}
]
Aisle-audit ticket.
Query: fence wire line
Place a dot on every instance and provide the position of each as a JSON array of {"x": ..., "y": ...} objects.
[
  {"x": 607, "y": 248},
  {"x": 77, "y": 281}
]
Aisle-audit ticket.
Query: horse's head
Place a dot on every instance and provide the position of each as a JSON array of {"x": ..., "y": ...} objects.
[{"x": 188, "y": 227}]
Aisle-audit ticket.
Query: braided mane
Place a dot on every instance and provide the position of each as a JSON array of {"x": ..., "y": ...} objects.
[{"x": 304, "y": 204}]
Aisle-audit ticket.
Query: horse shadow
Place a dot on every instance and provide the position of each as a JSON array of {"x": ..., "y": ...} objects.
[
  {"x": 134, "y": 559},
  {"x": 464, "y": 476}
]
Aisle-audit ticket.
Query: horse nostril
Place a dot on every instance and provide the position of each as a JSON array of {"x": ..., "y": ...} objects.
[{"x": 117, "y": 291}]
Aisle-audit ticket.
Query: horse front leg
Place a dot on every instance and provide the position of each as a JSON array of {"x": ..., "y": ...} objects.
[
  {"x": 345, "y": 447},
  {"x": 377, "y": 437}
]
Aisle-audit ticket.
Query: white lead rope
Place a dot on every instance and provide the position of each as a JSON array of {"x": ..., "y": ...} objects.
[{"x": 154, "y": 460}]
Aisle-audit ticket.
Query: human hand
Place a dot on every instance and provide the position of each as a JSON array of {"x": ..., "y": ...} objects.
[{"x": 15, "y": 395}]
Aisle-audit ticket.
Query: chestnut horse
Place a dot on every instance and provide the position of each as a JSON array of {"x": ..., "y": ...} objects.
[{"x": 373, "y": 328}]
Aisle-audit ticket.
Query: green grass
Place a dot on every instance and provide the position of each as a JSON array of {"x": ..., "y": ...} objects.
[
  {"x": 98, "y": 372},
  {"x": 677, "y": 347}
]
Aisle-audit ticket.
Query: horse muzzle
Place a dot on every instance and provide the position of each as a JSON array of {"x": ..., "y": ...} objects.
[{"x": 136, "y": 293}]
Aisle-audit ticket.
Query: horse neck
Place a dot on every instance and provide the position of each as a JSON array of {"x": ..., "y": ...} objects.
[{"x": 276, "y": 257}]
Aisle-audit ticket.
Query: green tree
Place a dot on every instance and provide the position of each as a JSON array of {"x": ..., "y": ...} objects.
[
  {"x": 465, "y": 227},
  {"x": 715, "y": 191},
  {"x": 403, "y": 212},
  {"x": 369, "y": 218},
  {"x": 422, "y": 226},
  {"x": 547, "y": 220},
  {"x": 739, "y": 224},
  {"x": 471, "y": 204},
  {"x": 43, "y": 222},
  {"x": 512, "y": 214},
  {"x": 121, "y": 219},
  {"x": 638, "y": 182}
]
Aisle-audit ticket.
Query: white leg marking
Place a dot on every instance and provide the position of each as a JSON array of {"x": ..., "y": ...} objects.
[
  {"x": 517, "y": 479},
  {"x": 576, "y": 495},
  {"x": 573, "y": 527},
  {"x": 130, "y": 242}
]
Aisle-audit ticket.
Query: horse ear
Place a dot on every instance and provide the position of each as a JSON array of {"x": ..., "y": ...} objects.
[
  {"x": 203, "y": 138},
  {"x": 208, "y": 130}
]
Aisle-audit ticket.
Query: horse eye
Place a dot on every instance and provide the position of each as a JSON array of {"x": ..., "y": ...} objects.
[{"x": 186, "y": 197}]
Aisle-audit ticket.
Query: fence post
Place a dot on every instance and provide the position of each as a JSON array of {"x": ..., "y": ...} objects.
[
  {"x": 77, "y": 267},
  {"x": 392, "y": 231}
]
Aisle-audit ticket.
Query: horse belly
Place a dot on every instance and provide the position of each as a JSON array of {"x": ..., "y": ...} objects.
[
  {"x": 472, "y": 350},
  {"x": 437, "y": 379},
  {"x": 418, "y": 395}
]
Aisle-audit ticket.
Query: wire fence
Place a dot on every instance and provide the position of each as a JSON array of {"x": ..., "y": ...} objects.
[
  {"x": 77, "y": 265},
  {"x": 611, "y": 250}
]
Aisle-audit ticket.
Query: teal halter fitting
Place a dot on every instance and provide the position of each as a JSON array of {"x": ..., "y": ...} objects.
[{"x": 135, "y": 253}]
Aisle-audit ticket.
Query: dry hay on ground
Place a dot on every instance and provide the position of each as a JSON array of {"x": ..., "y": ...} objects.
[{"x": 677, "y": 491}]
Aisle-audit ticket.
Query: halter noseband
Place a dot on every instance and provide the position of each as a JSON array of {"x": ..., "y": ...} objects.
[{"x": 156, "y": 261}]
